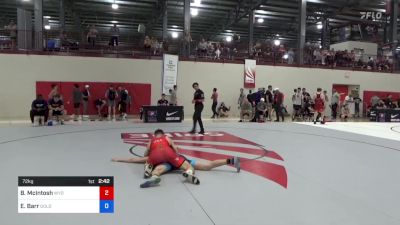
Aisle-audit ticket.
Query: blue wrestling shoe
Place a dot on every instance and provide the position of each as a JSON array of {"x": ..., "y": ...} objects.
[
  {"x": 236, "y": 163},
  {"x": 154, "y": 181},
  {"x": 190, "y": 177}
]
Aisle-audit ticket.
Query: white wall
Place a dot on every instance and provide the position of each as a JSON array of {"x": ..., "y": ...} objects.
[
  {"x": 370, "y": 49},
  {"x": 20, "y": 72}
]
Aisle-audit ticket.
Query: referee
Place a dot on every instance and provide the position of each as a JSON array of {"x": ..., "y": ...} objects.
[{"x": 198, "y": 100}]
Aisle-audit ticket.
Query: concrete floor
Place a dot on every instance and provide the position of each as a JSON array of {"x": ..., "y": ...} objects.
[{"x": 310, "y": 176}]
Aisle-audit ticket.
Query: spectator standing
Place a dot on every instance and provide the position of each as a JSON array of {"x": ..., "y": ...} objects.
[
  {"x": 123, "y": 102},
  {"x": 12, "y": 29},
  {"x": 186, "y": 41},
  {"x": 278, "y": 102},
  {"x": 54, "y": 91},
  {"x": 92, "y": 36},
  {"x": 241, "y": 97},
  {"x": 114, "y": 33},
  {"x": 85, "y": 101},
  {"x": 202, "y": 47},
  {"x": 250, "y": 97},
  {"x": 154, "y": 45},
  {"x": 198, "y": 99},
  {"x": 357, "y": 100},
  {"x": 269, "y": 98},
  {"x": 317, "y": 56},
  {"x": 319, "y": 106},
  {"x": 173, "y": 100},
  {"x": 111, "y": 97},
  {"x": 296, "y": 99},
  {"x": 76, "y": 100},
  {"x": 214, "y": 98},
  {"x": 290, "y": 56},
  {"x": 335, "y": 103},
  {"x": 147, "y": 45}
]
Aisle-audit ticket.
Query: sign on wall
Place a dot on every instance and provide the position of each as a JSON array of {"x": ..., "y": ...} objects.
[
  {"x": 250, "y": 73},
  {"x": 170, "y": 72}
]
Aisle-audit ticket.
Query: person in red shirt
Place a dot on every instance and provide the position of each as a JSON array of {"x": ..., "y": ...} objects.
[
  {"x": 161, "y": 149},
  {"x": 278, "y": 103},
  {"x": 319, "y": 106},
  {"x": 214, "y": 98}
]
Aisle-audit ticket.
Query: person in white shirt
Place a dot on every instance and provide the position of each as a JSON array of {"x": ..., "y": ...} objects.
[{"x": 296, "y": 99}]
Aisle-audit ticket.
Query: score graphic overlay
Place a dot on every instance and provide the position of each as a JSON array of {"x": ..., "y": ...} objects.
[{"x": 65, "y": 194}]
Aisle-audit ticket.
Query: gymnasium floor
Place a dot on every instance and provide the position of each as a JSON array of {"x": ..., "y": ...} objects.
[{"x": 311, "y": 175}]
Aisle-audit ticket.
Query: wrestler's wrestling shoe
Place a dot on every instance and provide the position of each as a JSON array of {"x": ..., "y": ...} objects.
[
  {"x": 191, "y": 177},
  {"x": 154, "y": 181},
  {"x": 148, "y": 168},
  {"x": 236, "y": 163}
]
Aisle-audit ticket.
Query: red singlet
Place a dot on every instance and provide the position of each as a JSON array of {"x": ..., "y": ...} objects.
[{"x": 161, "y": 152}]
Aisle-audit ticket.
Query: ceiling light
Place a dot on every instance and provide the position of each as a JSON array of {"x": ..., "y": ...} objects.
[
  {"x": 194, "y": 11},
  {"x": 319, "y": 26},
  {"x": 174, "y": 26},
  {"x": 114, "y": 6},
  {"x": 197, "y": 2},
  {"x": 47, "y": 27},
  {"x": 47, "y": 17},
  {"x": 285, "y": 56},
  {"x": 175, "y": 34},
  {"x": 277, "y": 42},
  {"x": 113, "y": 21},
  {"x": 228, "y": 38},
  {"x": 277, "y": 35},
  {"x": 260, "y": 20}
]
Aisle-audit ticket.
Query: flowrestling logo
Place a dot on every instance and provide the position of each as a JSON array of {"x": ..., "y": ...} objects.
[{"x": 221, "y": 145}]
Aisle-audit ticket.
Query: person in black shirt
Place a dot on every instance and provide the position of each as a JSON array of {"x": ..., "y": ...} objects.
[
  {"x": 123, "y": 102},
  {"x": 111, "y": 96},
  {"x": 85, "y": 100},
  {"x": 198, "y": 100},
  {"x": 56, "y": 108},
  {"x": 269, "y": 99},
  {"x": 39, "y": 108},
  {"x": 100, "y": 104},
  {"x": 162, "y": 101}
]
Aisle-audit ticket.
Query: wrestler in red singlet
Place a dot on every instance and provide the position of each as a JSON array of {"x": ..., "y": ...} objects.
[{"x": 161, "y": 152}]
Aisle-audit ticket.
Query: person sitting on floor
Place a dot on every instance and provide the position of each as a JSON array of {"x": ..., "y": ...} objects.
[
  {"x": 56, "y": 109},
  {"x": 345, "y": 112},
  {"x": 39, "y": 111},
  {"x": 246, "y": 109},
  {"x": 261, "y": 110},
  {"x": 223, "y": 110},
  {"x": 100, "y": 104}
]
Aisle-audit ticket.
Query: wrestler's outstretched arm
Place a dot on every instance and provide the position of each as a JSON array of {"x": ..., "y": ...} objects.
[{"x": 130, "y": 160}]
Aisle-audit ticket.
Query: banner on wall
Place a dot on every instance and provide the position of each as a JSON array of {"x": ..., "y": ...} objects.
[
  {"x": 250, "y": 73},
  {"x": 170, "y": 72}
]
